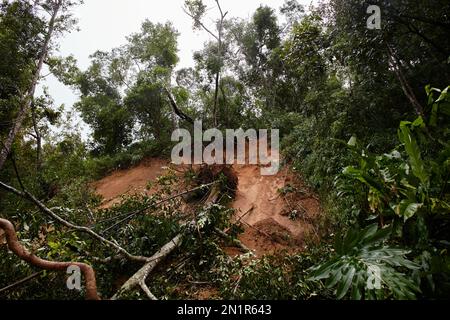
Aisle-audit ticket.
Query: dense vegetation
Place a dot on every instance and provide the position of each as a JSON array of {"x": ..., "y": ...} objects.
[{"x": 364, "y": 119}]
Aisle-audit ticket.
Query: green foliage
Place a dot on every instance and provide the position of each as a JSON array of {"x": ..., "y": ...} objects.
[
  {"x": 21, "y": 37},
  {"x": 413, "y": 151},
  {"x": 408, "y": 191},
  {"x": 214, "y": 216},
  {"x": 197, "y": 10},
  {"x": 279, "y": 277},
  {"x": 402, "y": 181},
  {"x": 322, "y": 78},
  {"x": 155, "y": 46},
  {"x": 121, "y": 93},
  {"x": 365, "y": 268}
]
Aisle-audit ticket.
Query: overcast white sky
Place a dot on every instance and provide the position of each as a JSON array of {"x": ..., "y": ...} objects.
[{"x": 105, "y": 24}]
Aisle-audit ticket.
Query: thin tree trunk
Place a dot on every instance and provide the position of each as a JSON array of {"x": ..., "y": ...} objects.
[
  {"x": 220, "y": 57},
  {"x": 218, "y": 37},
  {"x": 38, "y": 139},
  {"x": 406, "y": 87},
  {"x": 6, "y": 146},
  {"x": 216, "y": 98},
  {"x": 176, "y": 109}
]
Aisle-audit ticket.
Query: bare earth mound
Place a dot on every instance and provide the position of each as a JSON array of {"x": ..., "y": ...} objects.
[
  {"x": 273, "y": 220},
  {"x": 129, "y": 181}
]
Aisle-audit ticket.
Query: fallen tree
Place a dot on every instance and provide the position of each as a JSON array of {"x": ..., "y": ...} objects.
[
  {"x": 27, "y": 195},
  {"x": 151, "y": 263},
  {"x": 210, "y": 175},
  {"x": 139, "y": 278}
]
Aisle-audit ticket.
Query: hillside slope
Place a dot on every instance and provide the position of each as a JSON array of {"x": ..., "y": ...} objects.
[{"x": 276, "y": 212}]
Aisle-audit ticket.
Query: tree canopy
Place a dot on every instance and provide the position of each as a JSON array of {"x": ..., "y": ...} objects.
[{"x": 364, "y": 120}]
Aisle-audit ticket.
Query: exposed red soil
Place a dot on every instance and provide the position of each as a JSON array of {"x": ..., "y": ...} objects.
[
  {"x": 129, "y": 181},
  {"x": 263, "y": 207},
  {"x": 268, "y": 222},
  {"x": 206, "y": 293},
  {"x": 266, "y": 212}
]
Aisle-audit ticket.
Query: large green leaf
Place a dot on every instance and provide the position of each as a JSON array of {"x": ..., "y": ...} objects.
[
  {"x": 413, "y": 151},
  {"x": 407, "y": 209},
  {"x": 346, "y": 282},
  {"x": 362, "y": 251}
]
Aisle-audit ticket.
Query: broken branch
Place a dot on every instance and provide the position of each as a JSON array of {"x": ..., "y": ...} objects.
[
  {"x": 26, "y": 195},
  {"x": 141, "y": 275},
  {"x": 136, "y": 213},
  {"x": 20, "y": 282},
  {"x": 175, "y": 108}
]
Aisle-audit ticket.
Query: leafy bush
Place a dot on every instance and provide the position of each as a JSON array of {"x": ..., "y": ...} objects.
[
  {"x": 405, "y": 189},
  {"x": 367, "y": 267}
]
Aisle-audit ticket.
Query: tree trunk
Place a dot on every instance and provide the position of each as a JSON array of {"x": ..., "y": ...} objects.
[
  {"x": 7, "y": 145},
  {"x": 220, "y": 58},
  {"x": 406, "y": 87},
  {"x": 38, "y": 139},
  {"x": 176, "y": 109}
]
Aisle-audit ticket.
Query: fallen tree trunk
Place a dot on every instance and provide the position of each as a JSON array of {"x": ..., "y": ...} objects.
[
  {"x": 138, "y": 279},
  {"x": 15, "y": 246}
]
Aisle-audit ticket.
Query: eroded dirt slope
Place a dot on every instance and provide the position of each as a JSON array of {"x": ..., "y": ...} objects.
[
  {"x": 129, "y": 181},
  {"x": 276, "y": 212}
]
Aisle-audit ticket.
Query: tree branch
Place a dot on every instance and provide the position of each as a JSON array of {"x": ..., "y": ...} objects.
[
  {"x": 139, "y": 277},
  {"x": 409, "y": 93},
  {"x": 219, "y": 56},
  {"x": 134, "y": 214},
  {"x": 37, "y": 137},
  {"x": 201, "y": 24},
  {"x": 20, "y": 282},
  {"x": 26, "y": 195},
  {"x": 147, "y": 291},
  {"x": 175, "y": 108},
  {"x": 15, "y": 246}
]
